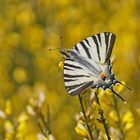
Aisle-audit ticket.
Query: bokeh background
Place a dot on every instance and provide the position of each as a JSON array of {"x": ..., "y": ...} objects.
[{"x": 28, "y": 28}]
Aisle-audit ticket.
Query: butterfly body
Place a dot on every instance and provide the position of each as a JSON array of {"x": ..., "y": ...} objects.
[{"x": 88, "y": 64}]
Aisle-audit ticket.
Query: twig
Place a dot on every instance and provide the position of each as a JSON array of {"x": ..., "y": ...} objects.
[
  {"x": 119, "y": 118},
  {"x": 44, "y": 124},
  {"x": 41, "y": 129},
  {"x": 48, "y": 120},
  {"x": 86, "y": 120},
  {"x": 102, "y": 119}
]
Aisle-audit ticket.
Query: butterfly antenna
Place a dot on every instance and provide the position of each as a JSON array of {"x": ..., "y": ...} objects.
[
  {"x": 117, "y": 94},
  {"x": 50, "y": 49},
  {"x": 60, "y": 37},
  {"x": 125, "y": 86}
]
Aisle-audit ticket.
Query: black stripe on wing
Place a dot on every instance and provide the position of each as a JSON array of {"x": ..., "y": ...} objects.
[
  {"x": 110, "y": 40},
  {"x": 76, "y": 48},
  {"x": 97, "y": 46},
  {"x": 74, "y": 76},
  {"x": 69, "y": 80},
  {"x": 88, "y": 42},
  {"x": 106, "y": 40},
  {"x": 85, "y": 49},
  {"x": 65, "y": 68},
  {"x": 69, "y": 59},
  {"x": 64, "y": 53},
  {"x": 100, "y": 44},
  {"x": 79, "y": 88},
  {"x": 71, "y": 66},
  {"x": 99, "y": 38}
]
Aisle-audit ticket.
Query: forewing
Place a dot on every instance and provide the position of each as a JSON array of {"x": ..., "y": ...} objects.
[
  {"x": 76, "y": 78},
  {"x": 98, "y": 47}
]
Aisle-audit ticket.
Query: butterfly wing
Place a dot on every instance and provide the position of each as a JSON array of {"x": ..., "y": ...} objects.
[
  {"x": 98, "y": 47},
  {"x": 76, "y": 77},
  {"x": 82, "y": 64}
]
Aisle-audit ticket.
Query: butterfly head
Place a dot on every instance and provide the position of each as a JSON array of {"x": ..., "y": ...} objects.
[{"x": 106, "y": 80}]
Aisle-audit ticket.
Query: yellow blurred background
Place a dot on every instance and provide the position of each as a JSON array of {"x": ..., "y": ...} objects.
[{"x": 28, "y": 28}]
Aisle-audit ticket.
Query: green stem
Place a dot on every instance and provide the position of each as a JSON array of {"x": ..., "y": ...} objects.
[
  {"x": 119, "y": 118},
  {"x": 42, "y": 130},
  {"x": 103, "y": 121},
  {"x": 86, "y": 120}
]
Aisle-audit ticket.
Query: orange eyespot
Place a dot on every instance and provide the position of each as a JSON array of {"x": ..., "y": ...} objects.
[{"x": 103, "y": 76}]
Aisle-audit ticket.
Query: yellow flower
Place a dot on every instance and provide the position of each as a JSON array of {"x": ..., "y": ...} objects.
[
  {"x": 20, "y": 75},
  {"x": 23, "y": 117},
  {"x": 128, "y": 120},
  {"x": 26, "y": 16},
  {"x": 12, "y": 39},
  {"x": 61, "y": 65},
  {"x": 41, "y": 99},
  {"x": 113, "y": 116},
  {"x": 138, "y": 111},
  {"x": 8, "y": 107},
  {"x": 50, "y": 137},
  {"x": 40, "y": 136},
  {"x": 108, "y": 92},
  {"x": 2, "y": 114},
  {"x": 30, "y": 110},
  {"x": 19, "y": 136},
  {"x": 101, "y": 92},
  {"x": 96, "y": 106},
  {"x": 22, "y": 127},
  {"x": 118, "y": 88},
  {"x": 9, "y": 127},
  {"x": 33, "y": 102},
  {"x": 81, "y": 130}
]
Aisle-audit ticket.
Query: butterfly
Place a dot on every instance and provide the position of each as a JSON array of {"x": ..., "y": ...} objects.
[{"x": 88, "y": 65}]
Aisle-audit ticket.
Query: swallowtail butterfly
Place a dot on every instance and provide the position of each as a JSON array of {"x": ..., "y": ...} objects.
[{"x": 88, "y": 64}]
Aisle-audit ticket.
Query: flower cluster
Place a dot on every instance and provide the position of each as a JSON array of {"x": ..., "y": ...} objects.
[
  {"x": 16, "y": 128},
  {"x": 116, "y": 122},
  {"x": 28, "y": 28}
]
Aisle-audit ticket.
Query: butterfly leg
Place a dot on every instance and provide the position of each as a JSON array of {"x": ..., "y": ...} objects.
[{"x": 117, "y": 94}]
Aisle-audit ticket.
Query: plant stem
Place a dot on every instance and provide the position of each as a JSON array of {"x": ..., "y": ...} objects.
[
  {"x": 86, "y": 120},
  {"x": 102, "y": 119},
  {"x": 119, "y": 118}
]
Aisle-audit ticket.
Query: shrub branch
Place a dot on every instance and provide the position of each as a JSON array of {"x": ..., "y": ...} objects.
[
  {"x": 102, "y": 118},
  {"x": 119, "y": 118},
  {"x": 86, "y": 120}
]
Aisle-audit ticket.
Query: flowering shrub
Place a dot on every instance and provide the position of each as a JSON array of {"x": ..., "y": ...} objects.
[{"x": 27, "y": 69}]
